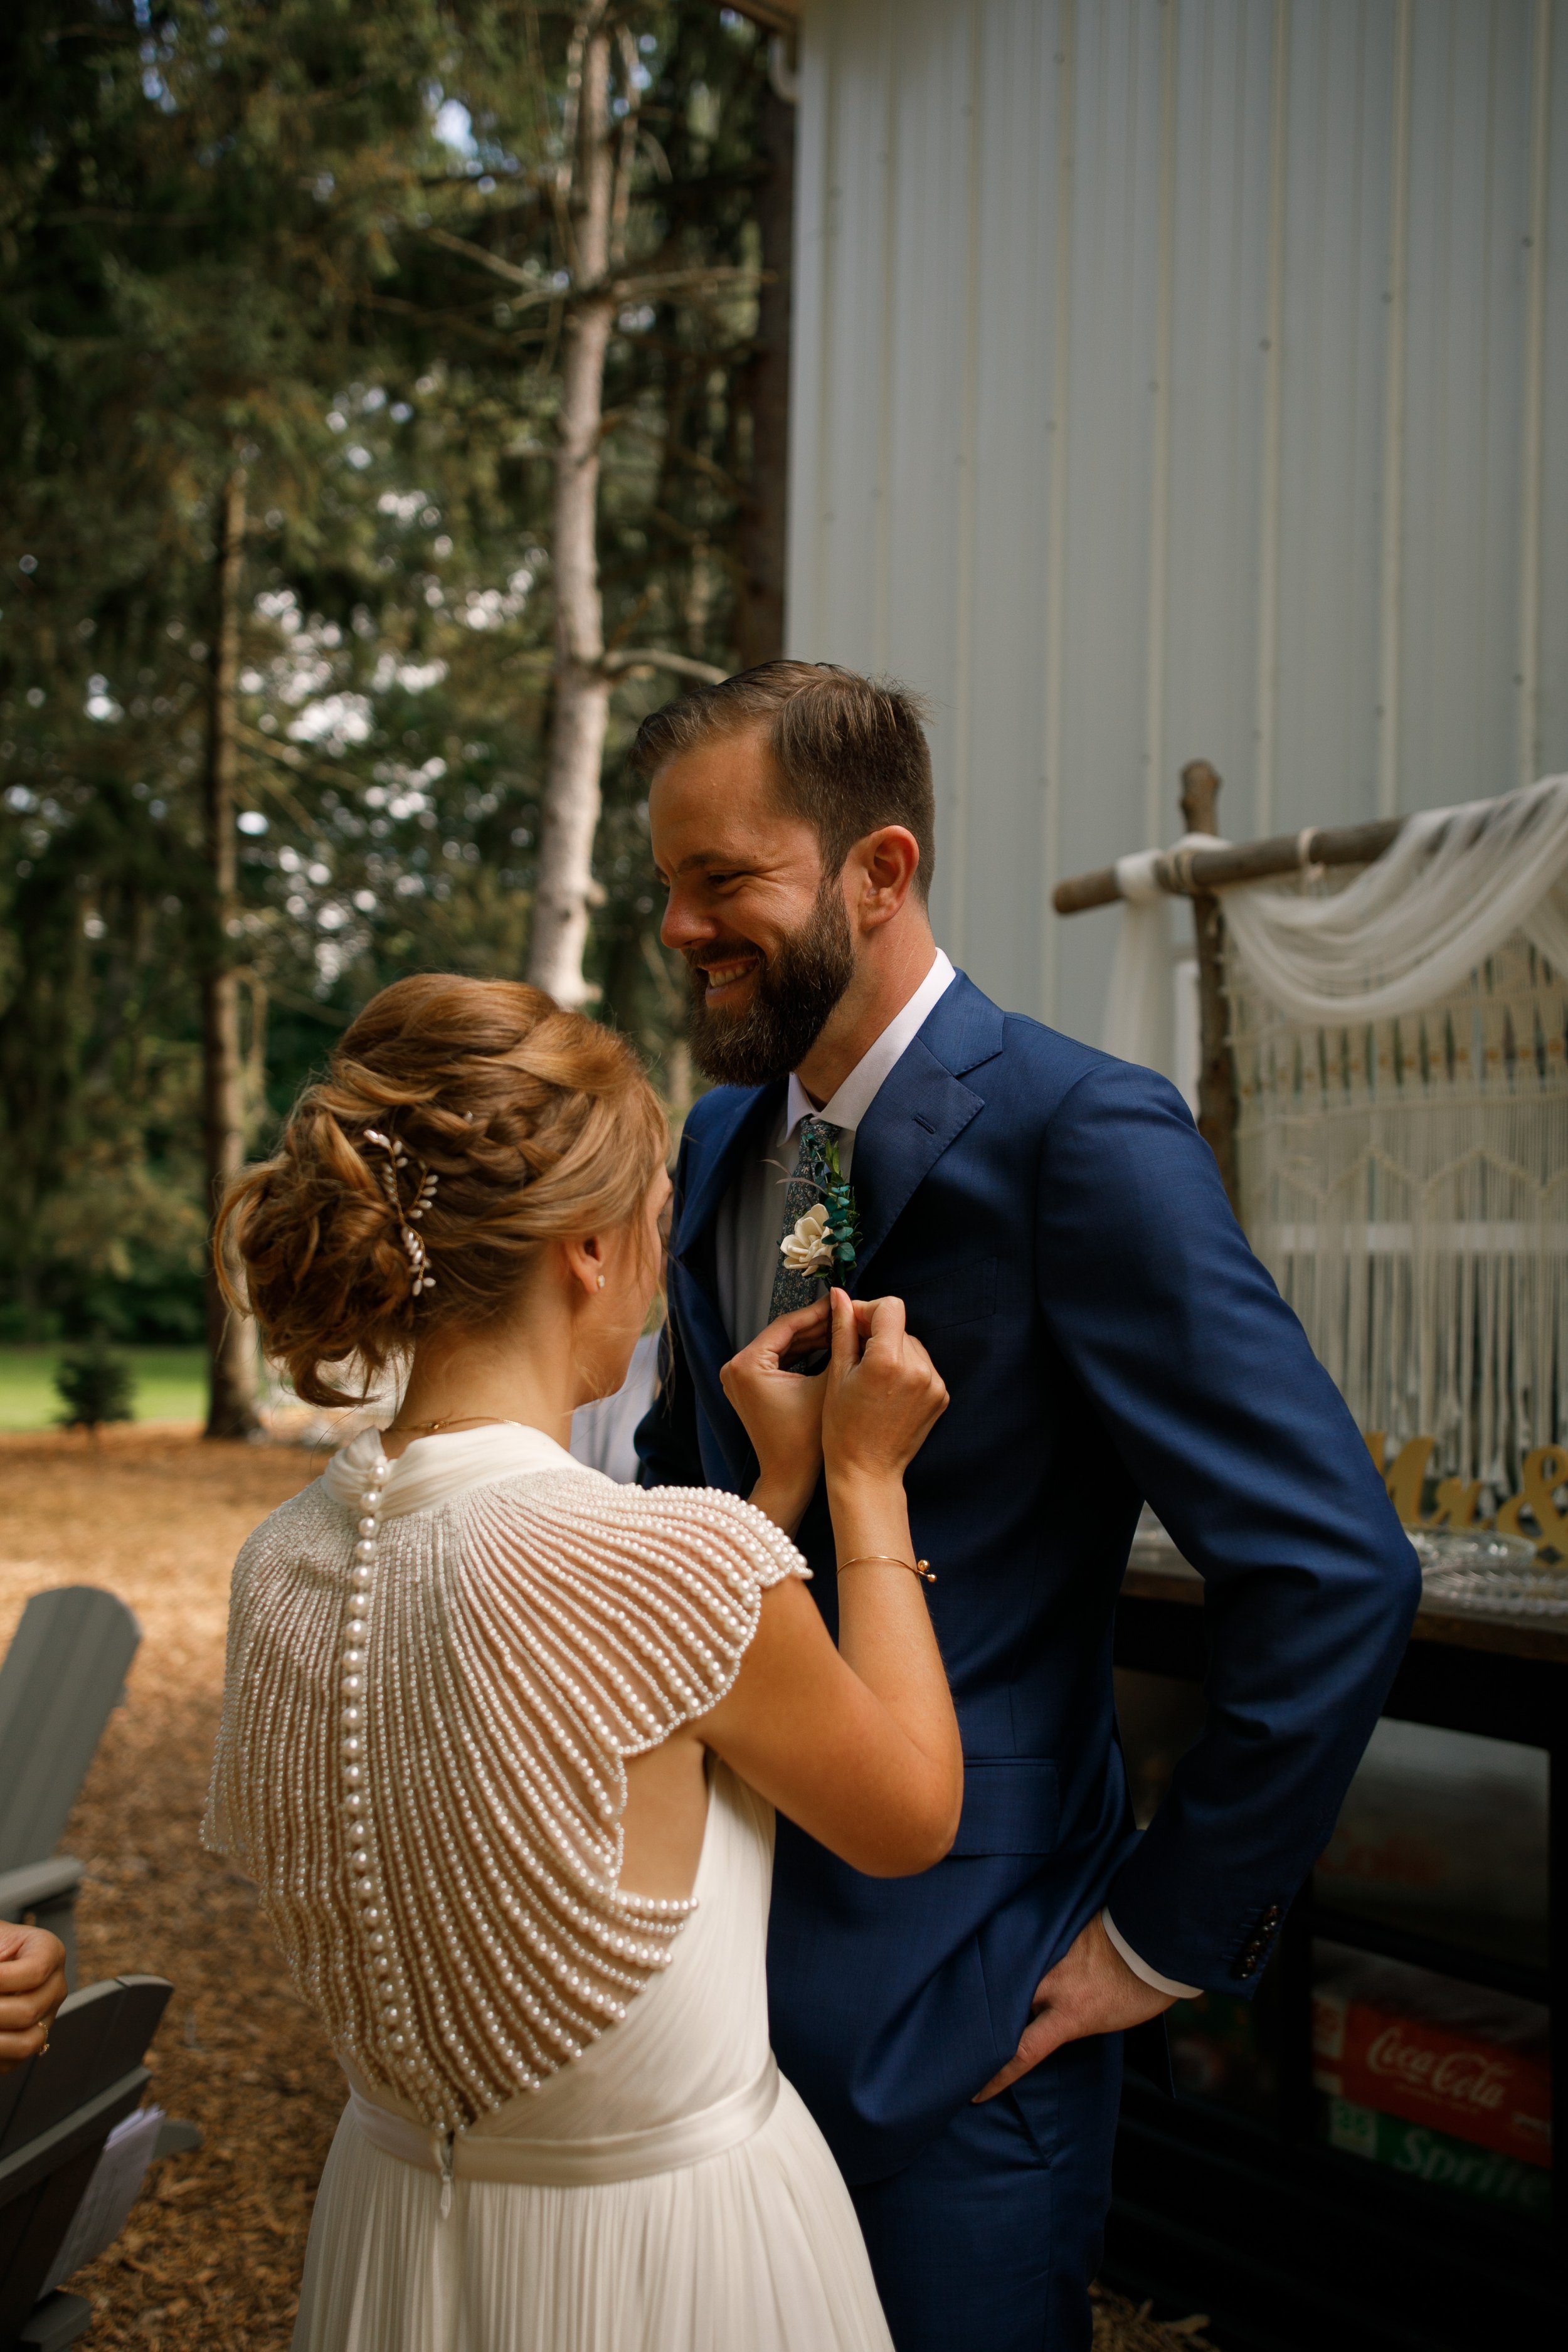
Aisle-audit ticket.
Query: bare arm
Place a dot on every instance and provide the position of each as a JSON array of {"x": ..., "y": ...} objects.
[{"x": 858, "y": 1744}]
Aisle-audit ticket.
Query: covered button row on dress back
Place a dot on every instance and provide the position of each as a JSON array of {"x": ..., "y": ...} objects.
[
  {"x": 482, "y": 1672},
  {"x": 390, "y": 2022}
]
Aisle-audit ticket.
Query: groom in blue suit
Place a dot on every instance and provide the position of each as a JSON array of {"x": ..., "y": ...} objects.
[{"x": 1062, "y": 1242}]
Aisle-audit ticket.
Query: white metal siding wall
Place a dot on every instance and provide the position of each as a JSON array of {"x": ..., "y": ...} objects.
[{"x": 1180, "y": 377}]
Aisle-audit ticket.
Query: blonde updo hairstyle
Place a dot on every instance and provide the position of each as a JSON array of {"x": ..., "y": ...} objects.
[{"x": 540, "y": 1126}]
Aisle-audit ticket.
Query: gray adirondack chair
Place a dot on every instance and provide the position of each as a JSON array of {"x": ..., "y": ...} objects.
[
  {"x": 63, "y": 1678},
  {"x": 56, "y": 2113}
]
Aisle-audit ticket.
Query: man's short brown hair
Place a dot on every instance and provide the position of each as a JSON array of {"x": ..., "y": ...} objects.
[{"x": 850, "y": 751}]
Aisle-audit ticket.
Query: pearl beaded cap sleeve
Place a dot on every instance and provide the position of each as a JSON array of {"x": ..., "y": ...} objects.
[{"x": 421, "y": 1760}]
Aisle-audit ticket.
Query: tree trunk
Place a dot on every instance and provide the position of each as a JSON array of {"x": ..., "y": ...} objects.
[
  {"x": 231, "y": 1340},
  {"x": 566, "y": 889},
  {"x": 764, "y": 388}
]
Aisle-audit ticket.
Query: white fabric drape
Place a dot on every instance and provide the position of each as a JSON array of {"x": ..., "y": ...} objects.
[
  {"x": 1402, "y": 1063},
  {"x": 1456, "y": 884},
  {"x": 1150, "y": 1012}
]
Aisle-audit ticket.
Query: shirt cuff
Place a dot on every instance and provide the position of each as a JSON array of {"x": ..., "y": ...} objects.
[{"x": 1142, "y": 1968}]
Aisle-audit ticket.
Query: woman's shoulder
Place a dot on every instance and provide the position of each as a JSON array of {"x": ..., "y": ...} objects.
[
  {"x": 292, "y": 1528},
  {"x": 648, "y": 1602},
  {"x": 697, "y": 1528}
]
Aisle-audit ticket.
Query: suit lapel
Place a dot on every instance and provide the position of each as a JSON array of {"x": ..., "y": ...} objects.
[
  {"x": 922, "y": 1107},
  {"x": 712, "y": 1157},
  {"x": 714, "y": 1152}
]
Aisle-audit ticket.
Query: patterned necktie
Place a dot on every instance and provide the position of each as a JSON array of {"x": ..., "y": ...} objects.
[{"x": 803, "y": 1191}]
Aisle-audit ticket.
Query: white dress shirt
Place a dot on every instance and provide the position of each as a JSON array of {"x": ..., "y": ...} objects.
[{"x": 751, "y": 1226}]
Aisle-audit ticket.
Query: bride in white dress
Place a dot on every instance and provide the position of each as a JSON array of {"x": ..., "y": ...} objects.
[{"x": 501, "y": 1740}]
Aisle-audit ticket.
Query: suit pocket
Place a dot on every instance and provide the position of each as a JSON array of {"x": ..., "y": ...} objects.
[
  {"x": 1010, "y": 1806},
  {"x": 959, "y": 1294}
]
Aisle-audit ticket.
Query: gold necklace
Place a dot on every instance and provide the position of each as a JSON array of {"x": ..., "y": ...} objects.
[{"x": 453, "y": 1421}]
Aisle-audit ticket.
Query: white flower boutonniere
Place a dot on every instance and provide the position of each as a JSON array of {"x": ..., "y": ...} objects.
[{"x": 810, "y": 1249}]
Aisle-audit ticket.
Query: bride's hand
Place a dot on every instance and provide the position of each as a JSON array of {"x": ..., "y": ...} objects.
[
  {"x": 782, "y": 1410},
  {"x": 884, "y": 1394}
]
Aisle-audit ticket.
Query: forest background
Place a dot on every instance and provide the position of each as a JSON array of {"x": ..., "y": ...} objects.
[{"x": 291, "y": 294}]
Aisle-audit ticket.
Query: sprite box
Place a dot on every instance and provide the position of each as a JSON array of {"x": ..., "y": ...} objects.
[{"x": 1423, "y": 2153}]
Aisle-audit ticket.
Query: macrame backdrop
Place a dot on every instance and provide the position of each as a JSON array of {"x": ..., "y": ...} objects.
[{"x": 1401, "y": 1055}]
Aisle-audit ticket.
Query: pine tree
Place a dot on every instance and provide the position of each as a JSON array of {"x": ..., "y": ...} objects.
[{"x": 325, "y": 249}]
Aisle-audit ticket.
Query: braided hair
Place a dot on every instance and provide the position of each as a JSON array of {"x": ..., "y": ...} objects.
[{"x": 536, "y": 1125}]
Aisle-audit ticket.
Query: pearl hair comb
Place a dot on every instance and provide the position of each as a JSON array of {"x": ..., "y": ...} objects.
[{"x": 397, "y": 1160}]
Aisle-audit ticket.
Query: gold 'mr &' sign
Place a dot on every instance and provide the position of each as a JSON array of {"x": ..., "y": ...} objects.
[{"x": 1533, "y": 1513}]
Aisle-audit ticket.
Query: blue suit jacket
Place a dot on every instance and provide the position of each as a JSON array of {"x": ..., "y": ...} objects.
[{"x": 1060, "y": 1233}]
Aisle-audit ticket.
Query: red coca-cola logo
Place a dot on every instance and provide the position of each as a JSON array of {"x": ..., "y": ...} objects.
[{"x": 1464, "y": 2077}]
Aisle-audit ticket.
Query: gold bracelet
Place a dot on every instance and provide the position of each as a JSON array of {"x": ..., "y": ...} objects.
[{"x": 921, "y": 1568}]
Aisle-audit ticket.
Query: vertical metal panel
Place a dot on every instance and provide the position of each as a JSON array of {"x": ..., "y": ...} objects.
[
  {"x": 993, "y": 873},
  {"x": 1551, "y": 719},
  {"x": 1219, "y": 374},
  {"x": 1064, "y": 61},
  {"x": 1396, "y": 397},
  {"x": 1527, "y": 679},
  {"x": 1340, "y": 113},
  {"x": 1465, "y": 398},
  {"x": 929, "y": 536},
  {"x": 1098, "y": 440},
  {"x": 1267, "y": 651}
]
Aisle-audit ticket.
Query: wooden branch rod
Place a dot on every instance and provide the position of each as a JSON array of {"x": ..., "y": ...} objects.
[{"x": 1191, "y": 873}]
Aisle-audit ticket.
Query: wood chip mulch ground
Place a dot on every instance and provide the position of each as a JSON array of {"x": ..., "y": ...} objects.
[{"x": 210, "y": 2260}]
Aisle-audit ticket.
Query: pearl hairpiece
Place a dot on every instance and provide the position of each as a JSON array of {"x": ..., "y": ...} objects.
[{"x": 398, "y": 1158}]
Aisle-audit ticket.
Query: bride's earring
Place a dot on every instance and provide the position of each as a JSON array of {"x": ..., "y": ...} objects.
[{"x": 601, "y": 1282}]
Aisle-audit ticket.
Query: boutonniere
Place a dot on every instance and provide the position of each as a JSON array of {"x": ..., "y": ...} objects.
[{"x": 827, "y": 1237}]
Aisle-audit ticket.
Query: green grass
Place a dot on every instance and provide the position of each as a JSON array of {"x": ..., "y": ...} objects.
[{"x": 171, "y": 1385}]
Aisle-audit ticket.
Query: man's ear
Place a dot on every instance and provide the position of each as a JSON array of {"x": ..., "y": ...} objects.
[{"x": 887, "y": 860}]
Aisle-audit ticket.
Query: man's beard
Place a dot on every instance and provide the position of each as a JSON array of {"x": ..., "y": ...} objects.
[{"x": 796, "y": 990}]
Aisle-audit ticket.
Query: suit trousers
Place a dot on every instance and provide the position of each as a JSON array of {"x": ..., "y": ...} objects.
[{"x": 989, "y": 2239}]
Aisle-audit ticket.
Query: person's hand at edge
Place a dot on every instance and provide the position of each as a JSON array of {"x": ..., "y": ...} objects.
[
  {"x": 1091, "y": 1989},
  {"x": 32, "y": 1986}
]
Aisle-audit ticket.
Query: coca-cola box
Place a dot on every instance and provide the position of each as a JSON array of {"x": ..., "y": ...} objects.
[{"x": 1458, "y": 2058}]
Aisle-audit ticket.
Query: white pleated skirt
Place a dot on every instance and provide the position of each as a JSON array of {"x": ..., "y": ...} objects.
[{"x": 753, "y": 2250}]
